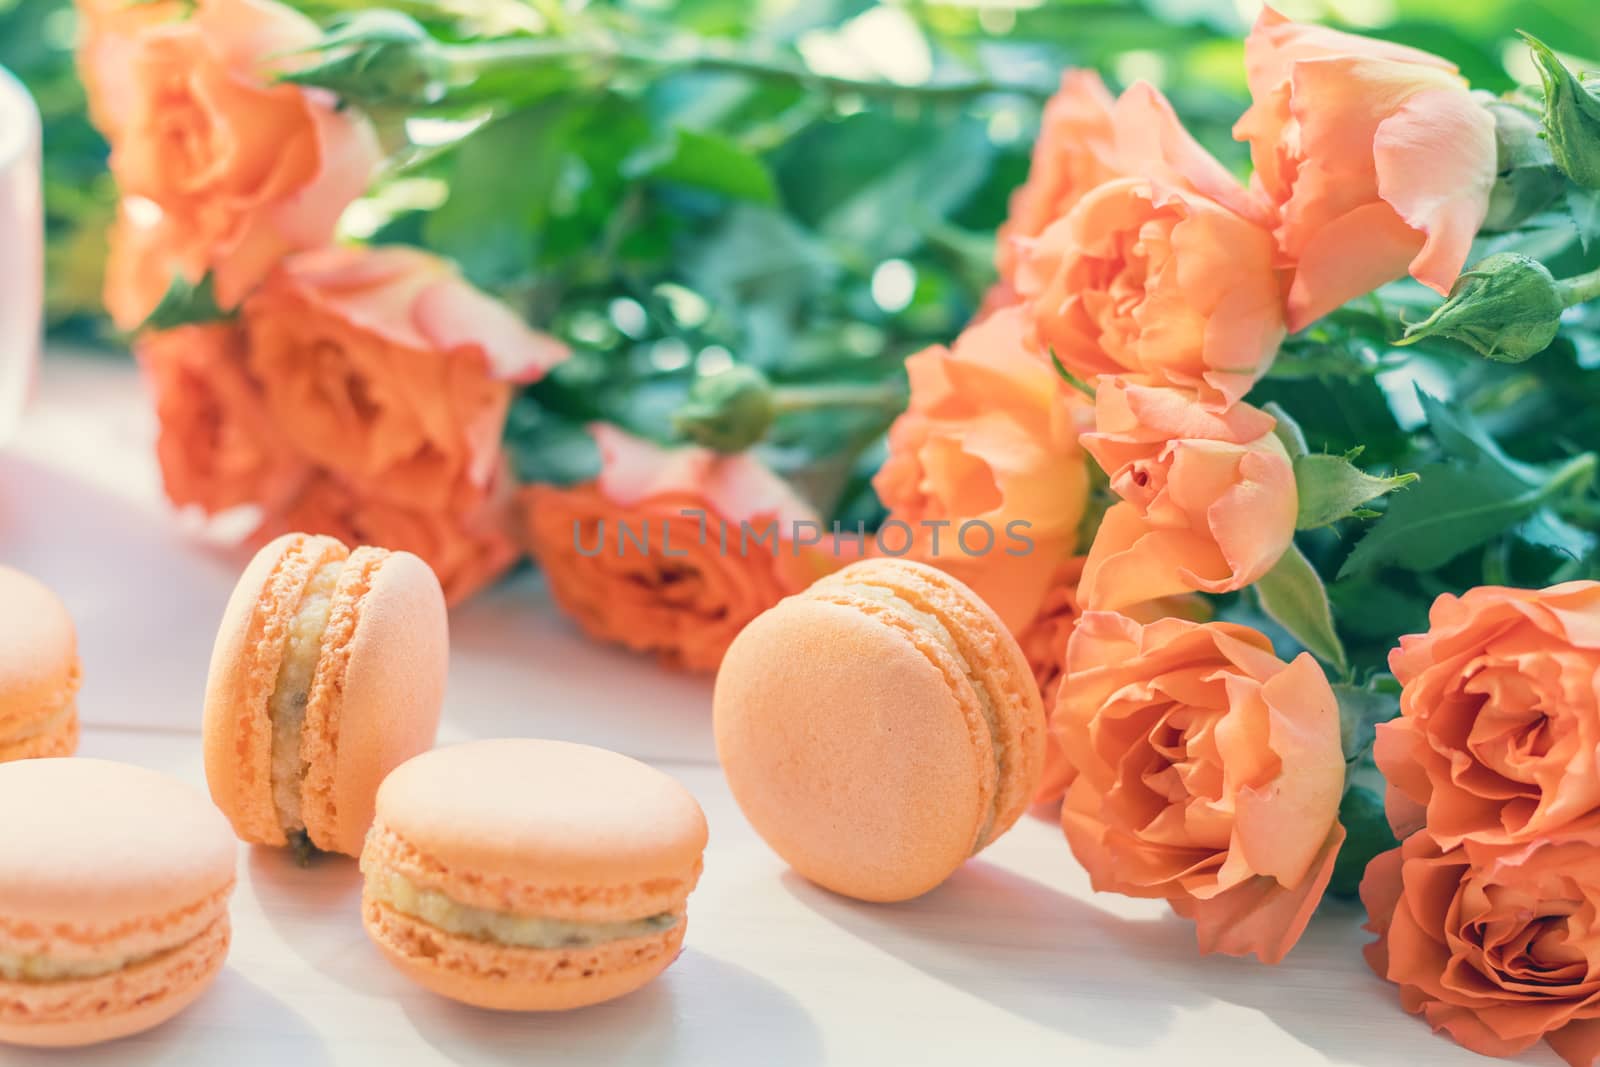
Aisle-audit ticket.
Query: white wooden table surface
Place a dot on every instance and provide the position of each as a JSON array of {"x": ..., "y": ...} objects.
[{"x": 1014, "y": 960}]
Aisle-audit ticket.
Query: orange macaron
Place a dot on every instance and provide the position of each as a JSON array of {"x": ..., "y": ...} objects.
[
  {"x": 38, "y": 671},
  {"x": 328, "y": 672},
  {"x": 114, "y": 886},
  {"x": 530, "y": 875},
  {"x": 879, "y": 728}
]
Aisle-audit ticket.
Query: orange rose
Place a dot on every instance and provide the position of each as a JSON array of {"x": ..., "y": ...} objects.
[
  {"x": 990, "y": 438},
  {"x": 467, "y": 548},
  {"x": 1170, "y": 271},
  {"x": 1377, "y": 155},
  {"x": 1498, "y": 738},
  {"x": 1075, "y": 152},
  {"x": 391, "y": 370},
  {"x": 1044, "y": 642},
  {"x": 671, "y": 551},
  {"x": 108, "y": 34},
  {"x": 1208, "y": 499},
  {"x": 238, "y": 170},
  {"x": 1497, "y": 946},
  {"x": 217, "y": 445},
  {"x": 1209, "y": 774}
]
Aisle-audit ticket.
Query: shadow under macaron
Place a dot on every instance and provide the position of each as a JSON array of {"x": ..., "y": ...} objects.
[
  {"x": 1055, "y": 961},
  {"x": 314, "y": 910},
  {"x": 258, "y": 1029},
  {"x": 701, "y": 1010}
]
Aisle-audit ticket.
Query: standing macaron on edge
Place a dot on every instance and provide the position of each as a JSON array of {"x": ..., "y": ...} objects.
[{"x": 328, "y": 672}]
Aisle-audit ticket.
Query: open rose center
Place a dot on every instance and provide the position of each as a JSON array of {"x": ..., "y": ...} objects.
[
  {"x": 1115, "y": 275},
  {"x": 1530, "y": 943},
  {"x": 1511, "y": 732}
]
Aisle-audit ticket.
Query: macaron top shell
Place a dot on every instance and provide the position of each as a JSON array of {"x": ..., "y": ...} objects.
[
  {"x": 103, "y": 844},
  {"x": 879, "y": 728},
  {"x": 38, "y": 649},
  {"x": 543, "y": 816}
]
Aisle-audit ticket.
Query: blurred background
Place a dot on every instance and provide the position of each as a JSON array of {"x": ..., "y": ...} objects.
[{"x": 835, "y": 171}]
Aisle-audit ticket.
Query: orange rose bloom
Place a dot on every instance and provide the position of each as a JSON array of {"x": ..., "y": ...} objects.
[
  {"x": 671, "y": 551},
  {"x": 990, "y": 438},
  {"x": 1209, "y": 774},
  {"x": 217, "y": 445},
  {"x": 1208, "y": 499},
  {"x": 391, "y": 370},
  {"x": 1075, "y": 152},
  {"x": 1377, "y": 156},
  {"x": 1044, "y": 642},
  {"x": 1497, "y": 946},
  {"x": 239, "y": 170},
  {"x": 467, "y": 549},
  {"x": 108, "y": 35},
  {"x": 1170, "y": 271},
  {"x": 1498, "y": 738}
]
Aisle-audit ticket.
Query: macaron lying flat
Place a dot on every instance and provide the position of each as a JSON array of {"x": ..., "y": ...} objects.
[
  {"x": 530, "y": 875},
  {"x": 38, "y": 671},
  {"x": 114, "y": 894},
  {"x": 879, "y": 728},
  {"x": 328, "y": 672}
]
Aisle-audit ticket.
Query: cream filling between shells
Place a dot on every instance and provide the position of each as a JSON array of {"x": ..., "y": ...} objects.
[
  {"x": 935, "y": 625},
  {"x": 286, "y": 708},
  {"x": 42, "y": 967},
  {"x": 503, "y": 927}
]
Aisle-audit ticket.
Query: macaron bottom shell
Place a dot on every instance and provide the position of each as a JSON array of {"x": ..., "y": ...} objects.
[
  {"x": 136, "y": 998},
  {"x": 500, "y": 977}
]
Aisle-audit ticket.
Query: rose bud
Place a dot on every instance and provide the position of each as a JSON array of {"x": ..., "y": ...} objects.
[
  {"x": 1507, "y": 307},
  {"x": 728, "y": 411},
  {"x": 1571, "y": 117}
]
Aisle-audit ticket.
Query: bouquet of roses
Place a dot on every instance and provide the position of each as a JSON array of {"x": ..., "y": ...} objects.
[{"x": 690, "y": 320}]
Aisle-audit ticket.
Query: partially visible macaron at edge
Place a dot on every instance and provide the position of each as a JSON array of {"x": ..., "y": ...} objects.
[
  {"x": 113, "y": 900},
  {"x": 328, "y": 672},
  {"x": 526, "y": 875},
  {"x": 879, "y": 728},
  {"x": 39, "y": 671}
]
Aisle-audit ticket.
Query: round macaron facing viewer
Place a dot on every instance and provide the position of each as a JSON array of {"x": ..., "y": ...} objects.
[{"x": 879, "y": 728}]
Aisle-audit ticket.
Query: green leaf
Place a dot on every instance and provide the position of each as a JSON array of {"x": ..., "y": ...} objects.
[
  {"x": 1293, "y": 596},
  {"x": 1460, "y": 435},
  {"x": 185, "y": 304},
  {"x": 1332, "y": 488},
  {"x": 1361, "y": 709},
  {"x": 1287, "y": 429},
  {"x": 705, "y": 161},
  {"x": 548, "y": 448},
  {"x": 1367, "y": 834},
  {"x": 1454, "y": 508},
  {"x": 501, "y": 186},
  {"x": 1584, "y": 207},
  {"x": 1545, "y": 529},
  {"x": 889, "y": 215}
]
